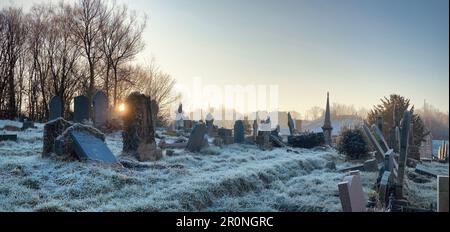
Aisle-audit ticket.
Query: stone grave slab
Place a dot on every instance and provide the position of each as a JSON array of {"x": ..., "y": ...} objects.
[
  {"x": 55, "y": 108},
  {"x": 89, "y": 147},
  {"x": 351, "y": 193},
  {"x": 8, "y": 137},
  {"x": 81, "y": 109}
]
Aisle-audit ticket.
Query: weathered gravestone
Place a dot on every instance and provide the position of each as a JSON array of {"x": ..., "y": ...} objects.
[
  {"x": 8, "y": 137},
  {"x": 406, "y": 121},
  {"x": 351, "y": 193},
  {"x": 442, "y": 196},
  {"x": 255, "y": 129},
  {"x": 55, "y": 108},
  {"x": 291, "y": 124},
  {"x": 379, "y": 150},
  {"x": 225, "y": 135},
  {"x": 52, "y": 130},
  {"x": 379, "y": 135},
  {"x": 239, "y": 132},
  {"x": 100, "y": 104},
  {"x": 209, "y": 124},
  {"x": 81, "y": 109},
  {"x": 139, "y": 133},
  {"x": 87, "y": 146},
  {"x": 197, "y": 139}
]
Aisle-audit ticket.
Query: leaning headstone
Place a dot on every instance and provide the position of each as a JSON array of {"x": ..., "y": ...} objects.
[
  {"x": 374, "y": 142},
  {"x": 8, "y": 137},
  {"x": 291, "y": 124},
  {"x": 197, "y": 139},
  {"x": 55, "y": 108},
  {"x": 239, "y": 132},
  {"x": 139, "y": 133},
  {"x": 384, "y": 187},
  {"x": 89, "y": 147},
  {"x": 255, "y": 129},
  {"x": 442, "y": 196},
  {"x": 52, "y": 130},
  {"x": 100, "y": 105},
  {"x": 81, "y": 109},
  {"x": 403, "y": 154},
  {"x": 371, "y": 165},
  {"x": 380, "y": 136},
  {"x": 351, "y": 193}
]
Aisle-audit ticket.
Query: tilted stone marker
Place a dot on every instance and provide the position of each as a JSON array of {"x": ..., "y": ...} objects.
[
  {"x": 89, "y": 147},
  {"x": 139, "y": 134},
  {"x": 55, "y": 108},
  {"x": 442, "y": 196},
  {"x": 351, "y": 193},
  {"x": 380, "y": 136},
  {"x": 403, "y": 154},
  {"x": 384, "y": 187},
  {"x": 239, "y": 131},
  {"x": 255, "y": 129},
  {"x": 100, "y": 104},
  {"x": 374, "y": 142},
  {"x": 291, "y": 124},
  {"x": 81, "y": 109},
  {"x": 197, "y": 139}
]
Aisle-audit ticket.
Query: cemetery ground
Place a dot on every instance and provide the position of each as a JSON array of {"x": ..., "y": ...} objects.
[{"x": 236, "y": 177}]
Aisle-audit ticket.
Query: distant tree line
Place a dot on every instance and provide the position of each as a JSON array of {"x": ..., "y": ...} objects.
[{"x": 68, "y": 50}]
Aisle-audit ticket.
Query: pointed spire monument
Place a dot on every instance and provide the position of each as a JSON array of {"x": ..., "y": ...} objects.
[{"x": 327, "y": 128}]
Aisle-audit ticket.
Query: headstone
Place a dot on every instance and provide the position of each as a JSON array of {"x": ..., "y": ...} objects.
[
  {"x": 255, "y": 129},
  {"x": 384, "y": 187},
  {"x": 380, "y": 136},
  {"x": 89, "y": 147},
  {"x": 27, "y": 124},
  {"x": 52, "y": 130},
  {"x": 351, "y": 193},
  {"x": 239, "y": 131},
  {"x": 209, "y": 124},
  {"x": 374, "y": 142},
  {"x": 55, "y": 108},
  {"x": 442, "y": 196},
  {"x": 403, "y": 153},
  {"x": 81, "y": 109},
  {"x": 197, "y": 139},
  {"x": 8, "y": 137},
  {"x": 100, "y": 105},
  {"x": 263, "y": 140},
  {"x": 291, "y": 124},
  {"x": 371, "y": 165},
  {"x": 139, "y": 132}
]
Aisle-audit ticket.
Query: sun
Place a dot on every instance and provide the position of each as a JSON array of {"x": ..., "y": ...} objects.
[{"x": 122, "y": 108}]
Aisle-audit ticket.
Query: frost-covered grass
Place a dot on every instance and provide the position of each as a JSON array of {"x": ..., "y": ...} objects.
[{"x": 234, "y": 178}]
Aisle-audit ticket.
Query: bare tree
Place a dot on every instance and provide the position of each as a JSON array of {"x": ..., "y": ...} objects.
[
  {"x": 121, "y": 41},
  {"x": 89, "y": 16}
]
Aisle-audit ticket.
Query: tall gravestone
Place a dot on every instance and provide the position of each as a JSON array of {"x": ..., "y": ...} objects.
[
  {"x": 55, "y": 108},
  {"x": 81, "y": 109},
  {"x": 404, "y": 139},
  {"x": 291, "y": 124},
  {"x": 100, "y": 104},
  {"x": 255, "y": 129},
  {"x": 239, "y": 131},
  {"x": 139, "y": 133}
]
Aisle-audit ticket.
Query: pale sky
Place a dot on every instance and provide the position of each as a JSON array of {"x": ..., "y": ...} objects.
[{"x": 359, "y": 50}]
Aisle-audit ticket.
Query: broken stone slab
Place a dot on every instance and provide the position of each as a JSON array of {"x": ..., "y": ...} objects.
[
  {"x": 351, "y": 193},
  {"x": 442, "y": 196},
  {"x": 89, "y": 147},
  {"x": 8, "y": 137},
  {"x": 371, "y": 165},
  {"x": 424, "y": 171},
  {"x": 53, "y": 129},
  {"x": 380, "y": 136}
]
